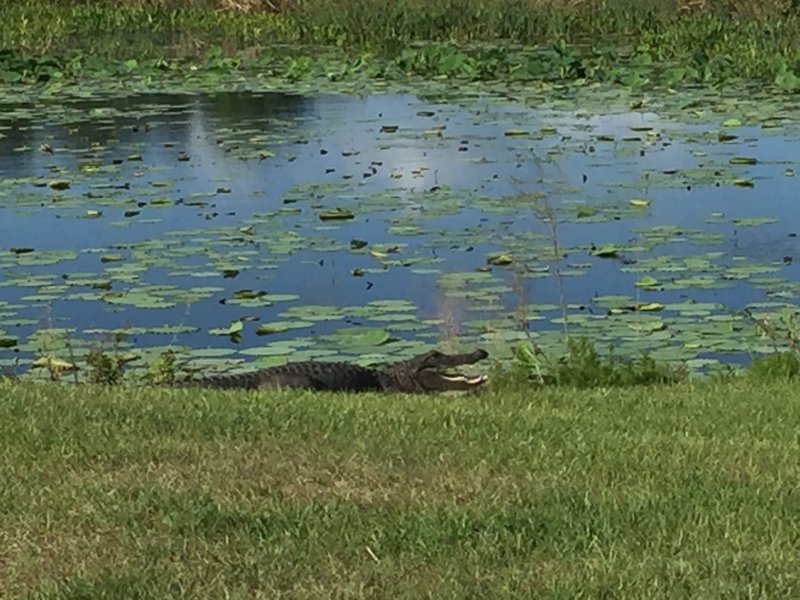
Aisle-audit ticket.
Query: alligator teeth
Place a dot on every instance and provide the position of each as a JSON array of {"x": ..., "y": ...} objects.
[{"x": 476, "y": 380}]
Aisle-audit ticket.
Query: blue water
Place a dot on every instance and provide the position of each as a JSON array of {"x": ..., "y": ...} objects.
[{"x": 451, "y": 170}]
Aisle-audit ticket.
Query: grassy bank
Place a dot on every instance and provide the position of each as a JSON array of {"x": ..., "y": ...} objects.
[
  {"x": 694, "y": 41},
  {"x": 683, "y": 490}
]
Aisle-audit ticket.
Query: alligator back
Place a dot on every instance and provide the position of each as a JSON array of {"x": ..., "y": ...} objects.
[{"x": 334, "y": 376}]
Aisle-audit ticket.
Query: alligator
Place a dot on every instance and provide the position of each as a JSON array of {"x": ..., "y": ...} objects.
[{"x": 423, "y": 373}]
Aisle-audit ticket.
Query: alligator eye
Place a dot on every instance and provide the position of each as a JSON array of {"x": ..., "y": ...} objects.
[{"x": 432, "y": 359}]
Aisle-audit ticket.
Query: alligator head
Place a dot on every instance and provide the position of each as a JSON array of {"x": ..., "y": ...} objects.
[{"x": 426, "y": 373}]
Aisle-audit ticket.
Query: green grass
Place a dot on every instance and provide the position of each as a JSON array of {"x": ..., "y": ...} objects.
[{"x": 680, "y": 491}]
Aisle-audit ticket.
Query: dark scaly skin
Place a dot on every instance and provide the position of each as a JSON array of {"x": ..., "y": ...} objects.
[
  {"x": 419, "y": 374},
  {"x": 338, "y": 376}
]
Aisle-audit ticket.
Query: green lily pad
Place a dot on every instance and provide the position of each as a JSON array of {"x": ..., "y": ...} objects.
[
  {"x": 339, "y": 214},
  {"x": 606, "y": 251},
  {"x": 648, "y": 281},
  {"x": 500, "y": 259}
]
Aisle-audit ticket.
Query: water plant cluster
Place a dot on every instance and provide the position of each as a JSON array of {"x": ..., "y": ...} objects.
[
  {"x": 184, "y": 222},
  {"x": 521, "y": 51},
  {"x": 630, "y": 42}
]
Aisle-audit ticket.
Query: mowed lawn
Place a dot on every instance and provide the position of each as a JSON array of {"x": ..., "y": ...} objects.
[{"x": 686, "y": 491}]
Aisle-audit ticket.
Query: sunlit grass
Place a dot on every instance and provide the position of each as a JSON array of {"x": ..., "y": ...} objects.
[{"x": 642, "y": 492}]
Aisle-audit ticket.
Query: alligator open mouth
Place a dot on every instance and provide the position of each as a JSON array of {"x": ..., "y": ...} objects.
[
  {"x": 434, "y": 381},
  {"x": 465, "y": 379}
]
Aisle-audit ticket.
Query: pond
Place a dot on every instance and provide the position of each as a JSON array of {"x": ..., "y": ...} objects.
[{"x": 245, "y": 226}]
